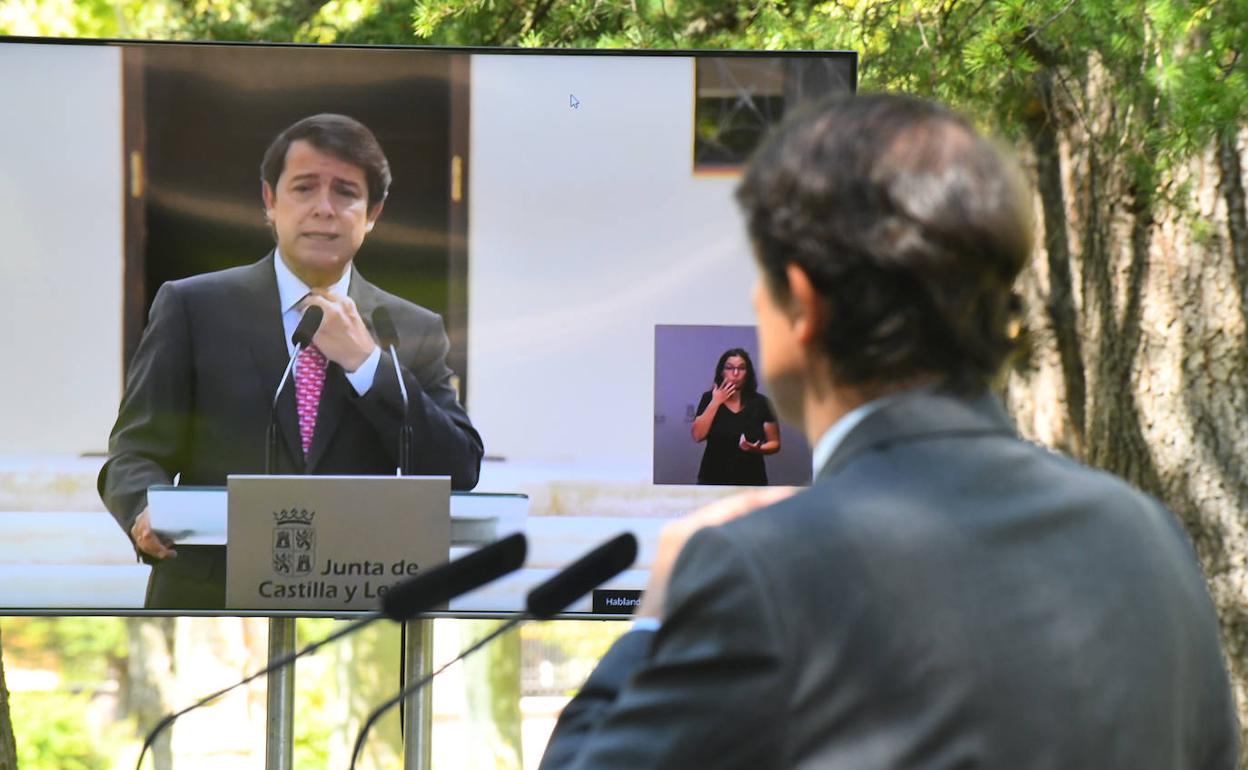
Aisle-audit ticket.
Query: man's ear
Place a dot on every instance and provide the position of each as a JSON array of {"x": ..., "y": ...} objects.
[
  {"x": 373, "y": 213},
  {"x": 270, "y": 199},
  {"x": 806, "y": 308}
]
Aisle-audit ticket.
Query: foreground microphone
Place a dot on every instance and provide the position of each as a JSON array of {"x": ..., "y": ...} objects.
[
  {"x": 438, "y": 585},
  {"x": 388, "y": 337},
  {"x": 544, "y": 602},
  {"x": 302, "y": 338},
  {"x": 425, "y": 591},
  {"x": 587, "y": 573}
]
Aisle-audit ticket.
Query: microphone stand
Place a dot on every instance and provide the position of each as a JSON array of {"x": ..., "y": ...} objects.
[
  {"x": 416, "y": 715},
  {"x": 405, "y": 432},
  {"x": 420, "y": 683},
  {"x": 388, "y": 339},
  {"x": 416, "y": 636},
  {"x": 279, "y": 738}
]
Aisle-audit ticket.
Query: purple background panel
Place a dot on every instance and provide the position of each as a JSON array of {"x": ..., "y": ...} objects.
[{"x": 684, "y": 368}]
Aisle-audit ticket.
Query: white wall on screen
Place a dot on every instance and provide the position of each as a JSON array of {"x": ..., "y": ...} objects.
[
  {"x": 587, "y": 227},
  {"x": 61, "y": 215}
]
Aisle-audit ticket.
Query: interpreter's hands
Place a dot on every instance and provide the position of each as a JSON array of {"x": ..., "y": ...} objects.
[
  {"x": 722, "y": 392},
  {"x": 343, "y": 337},
  {"x": 148, "y": 540},
  {"x": 754, "y": 447},
  {"x": 673, "y": 537}
]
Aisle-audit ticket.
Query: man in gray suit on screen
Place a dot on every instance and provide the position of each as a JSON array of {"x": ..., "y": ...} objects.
[{"x": 945, "y": 594}]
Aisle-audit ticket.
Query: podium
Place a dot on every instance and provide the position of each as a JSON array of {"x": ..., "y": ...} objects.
[
  {"x": 331, "y": 544},
  {"x": 324, "y": 544}
]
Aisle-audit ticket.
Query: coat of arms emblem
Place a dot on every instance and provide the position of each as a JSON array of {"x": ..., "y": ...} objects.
[{"x": 294, "y": 542}]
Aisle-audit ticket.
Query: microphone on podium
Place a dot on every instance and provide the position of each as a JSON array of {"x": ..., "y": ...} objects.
[
  {"x": 388, "y": 338},
  {"x": 302, "y": 338},
  {"x": 421, "y": 593},
  {"x": 542, "y": 603}
]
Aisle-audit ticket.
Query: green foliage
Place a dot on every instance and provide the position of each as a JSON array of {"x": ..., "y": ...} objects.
[
  {"x": 583, "y": 639},
  {"x": 53, "y": 732},
  {"x": 1175, "y": 66},
  {"x": 339, "y": 686},
  {"x": 86, "y": 18},
  {"x": 82, "y": 650}
]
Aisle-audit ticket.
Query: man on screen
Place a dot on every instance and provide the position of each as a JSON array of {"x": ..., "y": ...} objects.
[
  {"x": 945, "y": 594},
  {"x": 200, "y": 388}
]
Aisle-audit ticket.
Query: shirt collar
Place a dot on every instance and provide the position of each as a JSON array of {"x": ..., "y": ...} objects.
[
  {"x": 832, "y": 438},
  {"x": 291, "y": 290}
]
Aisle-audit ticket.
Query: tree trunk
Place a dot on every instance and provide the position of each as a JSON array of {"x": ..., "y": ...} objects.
[
  {"x": 8, "y": 744},
  {"x": 148, "y": 675},
  {"x": 1117, "y": 442},
  {"x": 1231, "y": 184},
  {"x": 1060, "y": 305},
  {"x": 1162, "y": 315}
]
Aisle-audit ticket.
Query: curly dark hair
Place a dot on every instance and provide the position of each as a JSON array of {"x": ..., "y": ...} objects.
[
  {"x": 347, "y": 139},
  {"x": 749, "y": 387},
  {"x": 910, "y": 225}
]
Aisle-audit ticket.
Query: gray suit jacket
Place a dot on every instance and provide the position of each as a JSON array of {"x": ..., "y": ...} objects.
[
  {"x": 199, "y": 393},
  {"x": 944, "y": 596}
]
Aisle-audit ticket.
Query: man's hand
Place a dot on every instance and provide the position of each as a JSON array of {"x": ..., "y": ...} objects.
[
  {"x": 343, "y": 337},
  {"x": 148, "y": 540},
  {"x": 675, "y": 534}
]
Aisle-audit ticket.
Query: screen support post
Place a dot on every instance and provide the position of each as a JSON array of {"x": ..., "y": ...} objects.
[
  {"x": 279, "y": 741},
  {"x": 418, "y": 712}
]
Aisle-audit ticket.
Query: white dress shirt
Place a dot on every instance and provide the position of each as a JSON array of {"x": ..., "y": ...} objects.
[{"x": 291, "y": 291}]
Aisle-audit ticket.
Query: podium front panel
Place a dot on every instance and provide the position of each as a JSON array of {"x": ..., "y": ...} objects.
[{"x": 330, "y": 543}]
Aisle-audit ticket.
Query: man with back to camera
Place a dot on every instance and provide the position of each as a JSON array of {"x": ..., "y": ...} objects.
[
  {"x": 200, "y": 387},
  {"x": 945, "y": 594}
]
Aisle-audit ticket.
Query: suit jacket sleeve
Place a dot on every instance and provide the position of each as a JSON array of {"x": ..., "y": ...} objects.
[
  {"x": 149, "y": 438},
  {"x": 445, "y": 443},
  {"x": 709, "y": 688}
]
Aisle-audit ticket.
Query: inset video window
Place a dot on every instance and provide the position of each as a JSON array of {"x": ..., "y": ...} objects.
[{"x": 713, "y": 421}]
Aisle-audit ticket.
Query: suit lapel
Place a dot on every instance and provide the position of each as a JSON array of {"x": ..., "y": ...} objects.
[
  {"x": 268, "y": 350},
  {"x": 924, "y": 413},
  {"x": 338, "y": 391}
]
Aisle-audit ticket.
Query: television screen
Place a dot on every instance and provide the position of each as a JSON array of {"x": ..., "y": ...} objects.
[{"x": 569, "y": 216}]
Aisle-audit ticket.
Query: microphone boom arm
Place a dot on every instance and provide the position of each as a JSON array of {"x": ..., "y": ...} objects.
[{"x": 412, "y": 687}]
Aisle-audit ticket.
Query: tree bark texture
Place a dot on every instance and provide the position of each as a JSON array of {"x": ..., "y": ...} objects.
[
  {"x": 1162, "y": 313},
  {"x": 1231, "y": 184},
  {"x": 1060, "y": 302},
  {"x": 148, "y": 674},
  {"x": 8, "y": 743}
]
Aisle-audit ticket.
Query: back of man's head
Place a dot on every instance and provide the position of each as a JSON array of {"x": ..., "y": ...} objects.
[{"x": 910, "y": 226}]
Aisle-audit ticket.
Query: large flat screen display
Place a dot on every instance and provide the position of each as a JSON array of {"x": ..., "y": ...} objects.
[{"x": 569, "y": 216}]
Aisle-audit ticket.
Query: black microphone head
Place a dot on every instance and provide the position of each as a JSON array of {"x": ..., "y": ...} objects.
[
  {"x": 438, "y": 585},
  {"x": 308, "y": 324},
  {"x": 587, "y": 573},
  {"x": 383, "y": 324}
]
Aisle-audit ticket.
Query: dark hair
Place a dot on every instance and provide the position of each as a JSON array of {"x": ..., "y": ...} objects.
[
  {"x": 347, "y": 139},
  {"x": 750, "y": 386},
  {"x": 911, "y": 227}
]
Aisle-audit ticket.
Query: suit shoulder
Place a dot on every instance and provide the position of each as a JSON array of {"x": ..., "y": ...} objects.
[
  {"x": 1097, "y": 482},
  {"x": 225, "y": 280},
  {"x": 404, "y": 311},
  {"x": 769, "y": 529}
]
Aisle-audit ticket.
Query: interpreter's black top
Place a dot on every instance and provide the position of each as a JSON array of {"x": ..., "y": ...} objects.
[{"x": 723, "y": 462}]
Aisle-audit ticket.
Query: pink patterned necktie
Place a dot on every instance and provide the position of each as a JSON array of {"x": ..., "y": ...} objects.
[{"x": 309, "y": 383}]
